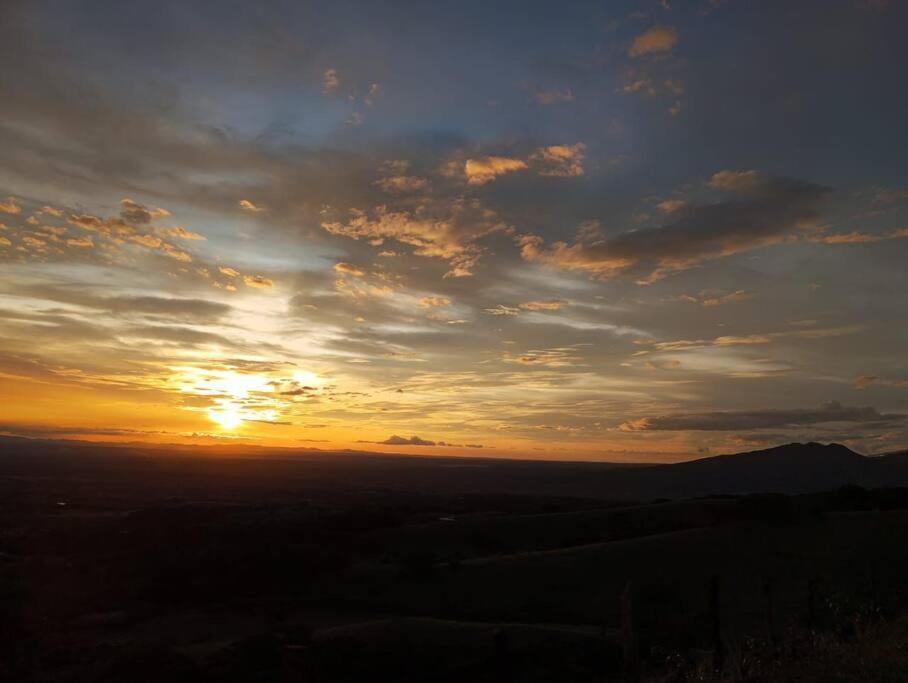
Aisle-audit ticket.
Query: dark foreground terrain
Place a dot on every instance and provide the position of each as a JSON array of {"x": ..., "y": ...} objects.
[{"x": 148, "y": 564}]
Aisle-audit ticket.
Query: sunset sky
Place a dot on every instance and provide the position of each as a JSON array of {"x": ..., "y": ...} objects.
[{"x": 637, "y": 231}]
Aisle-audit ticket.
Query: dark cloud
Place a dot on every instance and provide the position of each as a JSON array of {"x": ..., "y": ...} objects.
[
  {"x": 395, "y": 440},
  {"x": 42, "y": 431},
  {"x": 764, "y": 210},
  {"x": 136, "y": 213},
  {"x": 170, "y": 308},
  {"x": 831, "y": 412}
]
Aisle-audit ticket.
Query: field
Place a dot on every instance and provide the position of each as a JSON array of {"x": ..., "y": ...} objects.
[{"x": 124, "y": 564}]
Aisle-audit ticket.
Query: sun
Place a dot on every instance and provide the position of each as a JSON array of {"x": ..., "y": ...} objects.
[
  {"x": 238, "y": 397},
  {"x": 227, "y": 416}
]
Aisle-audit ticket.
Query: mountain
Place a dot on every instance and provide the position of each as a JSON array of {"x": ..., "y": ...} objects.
[{"x": 792, "y": 468}]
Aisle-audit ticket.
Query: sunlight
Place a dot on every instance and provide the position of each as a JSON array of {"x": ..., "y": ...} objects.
[
  {"x": 308, "y": 378},
  {"x": 227, "y": 416},
  {"x": 236, "y": 397}
]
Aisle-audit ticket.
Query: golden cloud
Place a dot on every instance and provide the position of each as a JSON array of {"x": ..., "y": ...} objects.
[
  {"x": 559, "y": 160},
  {"x": 149, "y": 241},
  {"x": 445, "y": 230},
  {"x": 182, "y": 233},
  {"x": 544, "y": 305},
  {"x": 10, "y": 206},
  {"x": 657, "y": 39},
  {"x": 248, "y": 205},
  {"x": 348, "y": 269},
  {"x": 501, "y": 309},
  {"x": 81, "y": 242},
  {"x": 485, "y": 169},
  {"x": 433, "y": 301},
  {"x": 257, "y": 282}
]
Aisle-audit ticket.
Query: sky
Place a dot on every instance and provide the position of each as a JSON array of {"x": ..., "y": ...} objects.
[{"x": 624, "y": 231}]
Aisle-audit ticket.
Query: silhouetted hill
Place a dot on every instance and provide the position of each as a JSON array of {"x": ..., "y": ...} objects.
[{"x": 791, "y": 468}]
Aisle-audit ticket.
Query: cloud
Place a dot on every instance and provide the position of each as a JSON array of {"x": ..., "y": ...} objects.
[
  {"x": 139, "y": 214},
  {"x": 744, "y": 340},
  {"x": 559, "y": 160},
  {"x": 349, "y": 269},
  {"x": 501, "y": 309},
  {"x": 559, "y": 357},
  {"x": 712, "y": 297},
  {"x": 670, "y": 364},
  {"x": 856, "y": 237},
  {"x": 547, "y": 97},
  {"x": 395, "y": 166},
  {"x": 330, "y": 81},
  {"x": 183, "y": 234},
  {"x": 763, "y": 211},
  {"x": 401, "y": 183},
  {"x": 248, "y": 205},
  {"x": 176, "y": 334},
  {"x": 10, "y": 206},
  {"x": 434, "y": 301},
  {"x": 375, "y": 91},
  {"x": 395, "y": 440},
  {"x": 830, "y": 412},
  {"x": 670, "y": 206},
  {"x": 485, "y": 169},
  {"x": 85, "y": 241},
  {"x": 865, "y": 381},
  {"x": 257, "y": 282},
  {"x": 48, "y": 431},
  {"x": 149, "y": 241},
  {"x": 169, "y": 308},
  {"x": 655, "y": 40},
  {"x": 174, "y": 253},
  {"x": 447, "y": 230},
  {"x": 739, "y": 182},
  {"x": 132, "y": 226},
  {"x": 195, "y": 309},
  {"x": 554, "y": 161},
  {"x": 641, "y": 85},
  {"x": 543, "y": 305}
]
